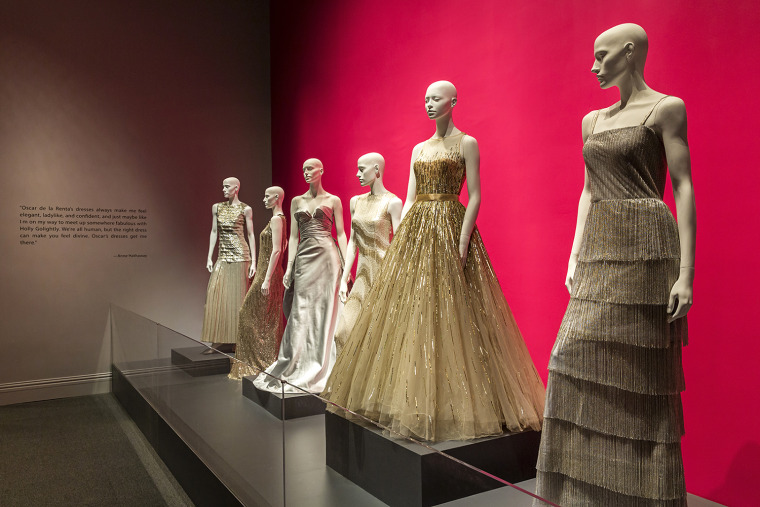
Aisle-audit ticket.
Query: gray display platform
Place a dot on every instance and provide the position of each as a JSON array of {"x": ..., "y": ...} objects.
[
  {"x": 283, "y": 407},
  {"x": 403, "y": 474},
  {"x": 193, "y": 361}
]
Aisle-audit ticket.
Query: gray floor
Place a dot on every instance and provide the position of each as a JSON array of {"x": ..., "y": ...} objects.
[{"x": 265, "y": 461}]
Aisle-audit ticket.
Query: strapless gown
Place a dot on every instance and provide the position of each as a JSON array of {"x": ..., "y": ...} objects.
[
  {"x": 438, "y": 355},
  {"x": 613, "y": 414},
  {"x": 261, "y": 321},
  {"x": 311, "y": 305}
]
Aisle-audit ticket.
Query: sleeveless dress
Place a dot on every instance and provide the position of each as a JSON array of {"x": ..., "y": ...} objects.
[
  {"x": 229, "y": 277},
  {"x": 613, "y": 420},
  {"x": 371, "y": 230},
  {"x": 261, "y": 321},
  {"x": 437, "y": 355},
  {"x": 307, "y": 350}
]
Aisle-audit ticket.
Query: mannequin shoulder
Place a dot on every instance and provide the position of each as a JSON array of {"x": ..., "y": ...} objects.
[
  {"x": 214, "y": 208},
  {"x": 394, "y": 203},
  {"x": 671, "y": 113},
  {"x": 587, "y": 122}
]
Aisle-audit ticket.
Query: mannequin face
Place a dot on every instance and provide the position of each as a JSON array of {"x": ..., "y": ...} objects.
[
  {"x": 611, "y": 63},
  {"x": 229, "y": 189},
  {"x": 367, "y": 173},
  {"x": 439, "y": 101},
  {"x": 312, "y": 173},
  {"x": 270, "y": 199}
]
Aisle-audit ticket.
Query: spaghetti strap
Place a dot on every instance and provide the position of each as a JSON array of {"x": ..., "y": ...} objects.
[
  {"x": 593, "y": 123},
  {"x": 653, "y": 108}
]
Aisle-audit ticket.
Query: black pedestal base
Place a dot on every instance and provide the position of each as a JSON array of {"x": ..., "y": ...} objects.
[
  {"x": 292, "y": 406},
  {"x": 194, "y": 362},
  {"x": 403, "y": 474}
]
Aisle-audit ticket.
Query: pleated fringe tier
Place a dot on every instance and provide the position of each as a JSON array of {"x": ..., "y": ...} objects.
[
  {"x": 227, "y": 287},
  {"x": 613, "y": 419},
  {"x": 436, "y": 353}
]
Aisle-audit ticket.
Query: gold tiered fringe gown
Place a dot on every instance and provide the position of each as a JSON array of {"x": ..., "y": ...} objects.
[
  {"x": 614, "y": 419},
  {"x": 261, "y": 321},
  {"x": 371, "y": 230},
  {"x": 228, "y": 282},
  {"x": 435, "y": 352}
]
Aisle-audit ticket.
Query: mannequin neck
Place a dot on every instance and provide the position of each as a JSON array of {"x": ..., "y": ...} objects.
[
  {"x": 233, "y": 199},
  {"x": 377, "y": 187},
  {"x": 316, "y": 189},
  {"x": 633, "y": 89},
  {"x": 444, "y": 127},
  {"x": 277, "y": 209}
]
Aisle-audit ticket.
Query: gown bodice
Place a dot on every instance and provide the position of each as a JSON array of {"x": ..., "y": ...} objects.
[
  {"x": 266, "y": 245},
  {"x": 625, "y": 163},
  {"x": 317, "y": 225},
  {"x": 371, "y": 229},
  {"x": 230, "y": 224},
  {"x": 440, "y": 166}
]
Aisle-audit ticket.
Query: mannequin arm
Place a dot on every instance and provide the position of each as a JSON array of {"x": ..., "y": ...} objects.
[
  {"x": 472, "y": 164},
  {"x": 248, "y": 213},
  {"x": 292, "y": 243},
  {"x": 583, "y": 205},
  {"x": 411, "y": 191},
  {"x": 340, "y": 232},
  {"x": 672, "y": 121},
  {"x": 212, "y": 239},
  {"x": 394, "y": 210},
  {"x": 350, "y": 258},
  {"x": 275, "y": 225}
]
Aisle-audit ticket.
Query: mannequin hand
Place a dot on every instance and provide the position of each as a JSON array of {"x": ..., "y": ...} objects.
[
  {"x": 286, "y": 278},
  {"x": 265, "y": 288},
  {"x": 569, "y": 278},
  {"x": 463, "y": 248},
  {"x": 681, "y": 296},
  {"x": 343, "y": 291},
  {"x": 252, "y": 270},
  {"x": 210, "y": 265}
]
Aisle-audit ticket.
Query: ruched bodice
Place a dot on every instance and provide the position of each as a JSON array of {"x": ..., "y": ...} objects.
[
  {"x": 317, "y": 225},
  {"x": 230, "y": 224},
  {"x": 625, "y": 163},
  {"x": 440, "y": 167}
]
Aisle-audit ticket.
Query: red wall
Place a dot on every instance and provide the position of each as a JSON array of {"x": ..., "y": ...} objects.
[{"x": 350, "y": 76}]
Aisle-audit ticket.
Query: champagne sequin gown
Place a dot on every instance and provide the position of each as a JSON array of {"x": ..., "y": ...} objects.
[
  {"x": 371, "y": 230},
  {"x": 438, "y": 355},
  {"x": 229, "y": 277},
  {"x": 307, "y": 350},
  {"x": 613, "y": 420},
  {"x": 261, "y": 321}
]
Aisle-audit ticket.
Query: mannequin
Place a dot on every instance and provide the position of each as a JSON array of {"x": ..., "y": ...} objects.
[
  {"x": 615, "y": 374},
  {"x": 374, "y": 217},
  {"x": 261, "y": 322},
  {"x": 312, "y": 278},
  {"x": 437, "y": 354},
  {"x": 236, "y": 259}
]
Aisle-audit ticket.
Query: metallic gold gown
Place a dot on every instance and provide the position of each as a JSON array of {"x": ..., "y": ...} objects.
[
  {"x": 261, "y": 321},
  {"x": 613, "y": 427},
  {"x": 438, "y": 355},
  {"x": 229, "y": 277},
  {"x": 371, "y": 230}
]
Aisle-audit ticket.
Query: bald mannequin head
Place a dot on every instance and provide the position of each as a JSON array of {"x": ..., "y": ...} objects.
[
  {"x": 440, "y": 98},
  {"x": 372, "y": 160},
  {"x": 629, "y": 36},
  {"x": 313, "y": 162},
  {"x": 313, "y": 170},
  {"x": 273, "y": 196},
  {"x": 230, "y": 187}
]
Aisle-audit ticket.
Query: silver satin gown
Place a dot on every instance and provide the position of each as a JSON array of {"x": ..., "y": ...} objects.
[{"x": 307, "y": 352}]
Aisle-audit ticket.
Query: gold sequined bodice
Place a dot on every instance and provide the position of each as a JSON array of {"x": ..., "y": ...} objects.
[
  {"x": 266, "y": 246},
  {"x": 440, "y": 166},
  {"x": 230, "y": 226}
]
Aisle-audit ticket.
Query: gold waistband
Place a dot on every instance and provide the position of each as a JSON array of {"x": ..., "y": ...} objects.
[{"x": 437, "y": 197}]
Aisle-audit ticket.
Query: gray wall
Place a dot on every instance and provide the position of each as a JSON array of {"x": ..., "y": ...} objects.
[{"x": 135, "y": 105}]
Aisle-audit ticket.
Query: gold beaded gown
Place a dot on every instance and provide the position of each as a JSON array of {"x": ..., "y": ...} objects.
[
  {"x": 437, "y": 355},
  {"x": 261, "y": 320},
  {"x": 613, "y": 420},
  {"x": 229, "y": 277},
  {"x": 371, "y": 230}
]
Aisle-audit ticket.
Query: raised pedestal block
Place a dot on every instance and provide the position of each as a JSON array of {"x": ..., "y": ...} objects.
[
  {"x": 194, "y": 362},
  {"x": 401, "y": 473},
  {"x": 289, "y": 406}
]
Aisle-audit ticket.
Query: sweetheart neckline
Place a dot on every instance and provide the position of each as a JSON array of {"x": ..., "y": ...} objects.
[{"x": 304, "y": 210}]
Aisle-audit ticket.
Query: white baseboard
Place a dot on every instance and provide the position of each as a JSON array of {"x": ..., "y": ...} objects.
[{"x": 51, "y": 388}]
